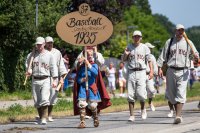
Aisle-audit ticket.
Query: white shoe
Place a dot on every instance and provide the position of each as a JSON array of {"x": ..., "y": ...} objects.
[
  {"x": 170, "y": 115},
  {"x": 144, "y": 114},
  {"x": 120, "y": 95},
  {"x": 50, "y": 119},
  {"x": 152, "y": 107},
  {"x": 178, "y": 120},
  {"x": 131, "y": 118},
  {"x": 87, "y": 117},
  {"x": 43, "y": 121}
]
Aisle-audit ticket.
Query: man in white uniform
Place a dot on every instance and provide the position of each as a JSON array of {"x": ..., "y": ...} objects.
[
  {"x": 151, "y": 91},
  {"x": 136, "y": 55},
  {"x": 42, "y": 69},
  {"x": 178, "y": 63},
  {"x": 61, "y": 72}
]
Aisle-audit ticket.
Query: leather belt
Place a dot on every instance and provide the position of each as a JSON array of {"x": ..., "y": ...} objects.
[
  {"x": 40, "y": 78},
  {"x": 137, "y": 69},
  {"x": 178, "y": 68}
]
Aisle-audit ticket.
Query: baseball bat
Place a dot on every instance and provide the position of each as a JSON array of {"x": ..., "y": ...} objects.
[
  {"x": 60, "y": 84},
  {"x": 188, "y": 42},
  {"x": 30, "y": 63},
  {"x": 193, "y": 52}
]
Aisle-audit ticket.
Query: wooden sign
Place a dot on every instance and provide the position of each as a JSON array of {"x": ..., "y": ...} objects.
[{"x": 84, "y": 27}]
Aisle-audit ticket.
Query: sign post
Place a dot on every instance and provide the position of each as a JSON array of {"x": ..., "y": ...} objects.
[{"x": 84, "y": 27}]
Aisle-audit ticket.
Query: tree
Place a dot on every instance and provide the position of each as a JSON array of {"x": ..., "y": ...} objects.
[
  {"x": 143, "y": 6},
  {"x": 163, "y": 20},
  {"x": 16, "y": 28},
  {"x": 152, "y": 31},
  {"x": 194, "y": 35}
]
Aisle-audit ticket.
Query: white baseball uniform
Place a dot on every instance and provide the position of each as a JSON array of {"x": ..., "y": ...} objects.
[
  {"x": 61, "y": 71},
  {"x": 43, "y": 67},
  {"x": 177, "y": 72},
  {"x": 136, "y": 82},
  {"x": 151, "y": 91}
]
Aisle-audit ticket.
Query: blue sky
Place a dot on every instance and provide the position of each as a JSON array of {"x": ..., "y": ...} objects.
[{"x": 186, "y": 12}]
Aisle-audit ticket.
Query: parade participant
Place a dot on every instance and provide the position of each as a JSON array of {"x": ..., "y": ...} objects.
[
  {"x": 42, "y": 68},
  {"x": 98, "y": 58},
  {"x": 151, "y": 91},
  {"x": 176, "y": 53},
  {"x": 91, "y": 97},
  {"x": 136, "y": 54},
  {"x": 61, "y": 72}
]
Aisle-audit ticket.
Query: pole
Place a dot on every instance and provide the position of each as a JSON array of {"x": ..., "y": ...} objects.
[
  {"x": 36, "y": 13},
  {"x": 86, "y": 74},
  {"x": 127, "y": 33}
]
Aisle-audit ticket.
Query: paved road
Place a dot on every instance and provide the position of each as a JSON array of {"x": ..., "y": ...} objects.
[{"x": 157, "y": 122}]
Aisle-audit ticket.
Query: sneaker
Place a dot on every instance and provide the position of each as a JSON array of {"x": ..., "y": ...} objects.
[
  {"x": 152, "y": 107},
  {"x": 120, "y": 95},
  {"x": 144, "y": 114},
  {"x": 43, "y": 121},
  {"x": 50, "y": 119},
  {"x": 131, "y": 118},
  {"x": 170, "y": 115},
  {"x": 178, "y": 120},
  {"x": 87, "y": 117}
]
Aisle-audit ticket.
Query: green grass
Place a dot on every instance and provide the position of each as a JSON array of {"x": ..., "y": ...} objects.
[
  {"x": 18, "y": 95},
  {"x": 195, "y": 91}
]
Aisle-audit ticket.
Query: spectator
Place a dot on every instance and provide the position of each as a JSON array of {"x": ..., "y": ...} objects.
[{"x": 111, "y": 79}]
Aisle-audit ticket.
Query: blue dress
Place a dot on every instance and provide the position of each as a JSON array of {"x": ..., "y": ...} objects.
[{"x": 92, "y": 73}]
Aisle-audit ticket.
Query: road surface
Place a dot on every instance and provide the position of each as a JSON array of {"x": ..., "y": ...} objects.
[{"x": 157, "y": 122}]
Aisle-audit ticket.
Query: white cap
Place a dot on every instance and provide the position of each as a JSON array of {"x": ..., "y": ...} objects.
[
  {"x": 149, "y": 45},
  {"x": 179, "y": 26},
  {"x": 49, "y": 39},
  {"x": 137, "y": 33},
  {"x": 40, "y": 40}
]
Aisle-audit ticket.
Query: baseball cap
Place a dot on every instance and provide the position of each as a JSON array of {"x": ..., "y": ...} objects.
[
  {"x": 49, "y": 39},
  {"x": 179, "y": 26},
  {"x": 137, "y": 33},
  {"x": 40, "y": 40},
  {"x": 149, "y": 45}
]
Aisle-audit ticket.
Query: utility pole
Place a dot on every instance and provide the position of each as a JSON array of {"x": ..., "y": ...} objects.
[
  {"x": 127, "y": 32},
  {"x": 36, "y": 13}
]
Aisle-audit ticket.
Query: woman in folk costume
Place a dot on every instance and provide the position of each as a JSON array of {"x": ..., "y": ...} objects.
[{"x": 87, "y": 97}]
